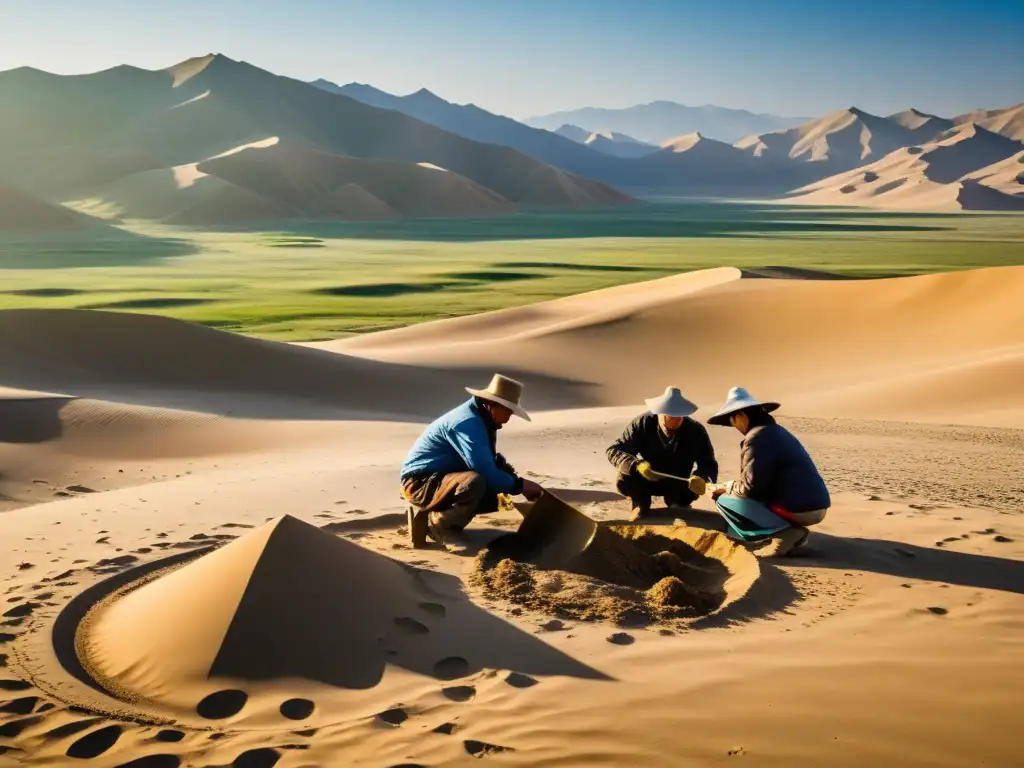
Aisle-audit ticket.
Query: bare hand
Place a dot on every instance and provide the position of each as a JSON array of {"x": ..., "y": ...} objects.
[
  {"x": 531, "y": 490},
  {"x": 717, "y": 492}
]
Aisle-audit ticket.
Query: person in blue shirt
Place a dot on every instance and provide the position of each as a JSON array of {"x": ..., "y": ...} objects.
[{"x": 454, "y": 472}]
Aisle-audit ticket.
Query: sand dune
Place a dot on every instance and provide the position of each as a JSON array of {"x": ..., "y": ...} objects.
[
  {"x": 22, "y": 213},
  {"x": 1006, "y": 175},
  {"x": 940, "y": 175},
  {"x": 618, "y": 144},
  {"x": 1008, "y": 121},
  {"x": 205, "y": 564},
  {"x": 925, "y": 125},
  {"x": 879, "y": 330},
  {"x": 268, "y": 179},
  {"x": 844, "y": 138}
]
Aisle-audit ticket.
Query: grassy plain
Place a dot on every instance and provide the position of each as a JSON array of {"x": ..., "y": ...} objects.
[{"x": 311, "y": 281}]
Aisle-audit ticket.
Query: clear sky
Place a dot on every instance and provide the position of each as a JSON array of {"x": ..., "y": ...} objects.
[{"x": 527, "y": 57}]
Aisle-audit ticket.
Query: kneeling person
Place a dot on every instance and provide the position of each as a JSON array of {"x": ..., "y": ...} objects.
[
  {"x": 663, "y": 440},
  {"x": 779, "y": 492},
  {"x": 453, "y": 471}
]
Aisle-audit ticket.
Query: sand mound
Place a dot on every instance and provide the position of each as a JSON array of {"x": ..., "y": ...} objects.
[
  {"x": 562, "y": 562},
  {"x": 249, "y": 612},
  {"x": 1007, "y": 121},
  {"x": 1006, "y": 176},
  {"x": 21, "y": 213},
  {"x": 130, "y": 358},
  {"x": 317, "y": 184},
  {"x": 940, "y": 175},
  {"x": 840, "y": 139},
  {"x": 825, "y": 335}
]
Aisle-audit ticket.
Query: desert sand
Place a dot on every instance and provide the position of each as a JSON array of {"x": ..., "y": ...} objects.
[
  {"x": 967, "y": 168},
  {"x": 205, "y": 562}
]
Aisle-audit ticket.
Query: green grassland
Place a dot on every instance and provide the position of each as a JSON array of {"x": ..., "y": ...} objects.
[{"x": 311, "y": 281}]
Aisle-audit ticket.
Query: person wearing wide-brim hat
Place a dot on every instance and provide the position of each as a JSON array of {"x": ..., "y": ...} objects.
[
  {"x": 779, "y": 492},
  {"x": 663, "y": 440},
  {"x": 453, "y": 471}
]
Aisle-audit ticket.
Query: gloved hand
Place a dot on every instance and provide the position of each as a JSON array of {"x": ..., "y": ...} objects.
[
  {"x": 643, "y": 469},
  {"x": 698, "y": 485}
]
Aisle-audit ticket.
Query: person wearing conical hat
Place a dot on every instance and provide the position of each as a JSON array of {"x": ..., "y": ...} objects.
[
  {"x": 453, "y": 471},
  {"x": 664, "y": 440},
  {"x": 779, "y": 492}
]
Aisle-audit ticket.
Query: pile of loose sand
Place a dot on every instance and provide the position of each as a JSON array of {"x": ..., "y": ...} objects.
[
  {"x": 625, "y": 574},
  {"x": 290, "y": 601}
]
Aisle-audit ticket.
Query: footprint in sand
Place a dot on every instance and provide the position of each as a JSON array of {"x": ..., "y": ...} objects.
[
  {"x": 621, "y": 638},
  {"x": 25, "y": 609},
  {"x": 15, "y": 727},
  {"x": 519, "y": 680},
  {"x": 451, "y": 668},
  {"x": 14, "y": 685},
  {"x": 446, "y": 729},
  {"x": 553, "y": 626},
  {"x": 257, "y": 758},
  {"x": 222, "y": 704},
  {"x": 169, "y": 735},
  {"x": 937, "y": 610},
  {"x": 297, "y": 709},
  {"x": 96, "y": 743},
  {"x": 481, "y": 749},
  {"x": 308, "y": 733},
  {"x": 460, "y": 693},
  {"x": 153, "y": 761},
  {"x": 70, "y": 729},
  {"x": 409, "y": 626},
  {"x": 434, "y": 609},
  {"x": 395, "y": 716},
  {"x": 22, "y": 706},
  {"x": 1002, "y": 539}
]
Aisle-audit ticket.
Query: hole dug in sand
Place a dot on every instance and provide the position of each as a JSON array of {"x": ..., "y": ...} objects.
[
  {"x": 562, "y": 562},
  {"x": 290, "y": 601}
]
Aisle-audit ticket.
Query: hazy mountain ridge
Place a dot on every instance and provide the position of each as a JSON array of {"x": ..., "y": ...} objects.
[
  {"x": 69, "y": 138},
  {"x": 659, "y": 121}
]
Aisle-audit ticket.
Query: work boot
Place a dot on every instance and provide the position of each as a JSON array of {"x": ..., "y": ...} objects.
[
  {"x": 783, "y": 543},
  {"x": 416, "y": 521},
  {"x": 452, "y": 540},
  {"x": 640, "y": 511}
]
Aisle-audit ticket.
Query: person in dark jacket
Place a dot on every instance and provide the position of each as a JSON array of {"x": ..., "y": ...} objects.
[
  {"x": 779, "y": 492},
  {"x": 453, "y": 471},
  {"x": 663, "y": 440}
]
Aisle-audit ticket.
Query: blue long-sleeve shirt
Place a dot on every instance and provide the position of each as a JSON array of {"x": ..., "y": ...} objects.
[{"x": 459, "y": 441}]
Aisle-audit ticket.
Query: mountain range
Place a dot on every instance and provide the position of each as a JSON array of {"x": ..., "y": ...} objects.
[
  {"x": 213, "y": 141},
  {"x": 216, "y": 141},
  {"x": 660, "y": 121}
]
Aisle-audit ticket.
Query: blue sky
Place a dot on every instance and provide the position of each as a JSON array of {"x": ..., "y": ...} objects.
[{"x": 527, "y": 57}]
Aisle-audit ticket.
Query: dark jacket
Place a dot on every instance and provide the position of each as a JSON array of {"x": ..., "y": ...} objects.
[
  {"x": 674, "y": 455},
  {"x": 776, "y": 469}
]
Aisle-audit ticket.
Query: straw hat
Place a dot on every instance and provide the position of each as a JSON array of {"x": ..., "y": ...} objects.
[
  {"x": 737, "y": 400},
  {"x": 671, "y": 403},
  {"x": 503, "y": 391}
]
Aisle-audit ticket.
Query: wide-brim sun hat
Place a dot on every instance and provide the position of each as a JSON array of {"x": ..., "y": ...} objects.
[
  {"x": 737, "y": 400},
  {"x": 671, "y": 403},
  {"x": 503, "y": 391}
]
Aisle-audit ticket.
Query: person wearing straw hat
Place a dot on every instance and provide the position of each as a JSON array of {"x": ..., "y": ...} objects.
[
  {"x": 657, "y": 452},
  {"x": 453, "y": 471},
  {"x": 779, "y": 492}
]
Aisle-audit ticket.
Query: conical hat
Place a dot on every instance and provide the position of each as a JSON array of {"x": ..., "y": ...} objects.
[
  {"x": 671, "y": 403},
  {"x": 737, "y": 400}
]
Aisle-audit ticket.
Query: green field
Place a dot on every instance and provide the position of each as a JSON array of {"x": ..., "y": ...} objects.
[{"x": 319, "y": 281}]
